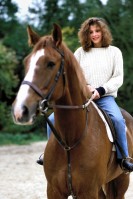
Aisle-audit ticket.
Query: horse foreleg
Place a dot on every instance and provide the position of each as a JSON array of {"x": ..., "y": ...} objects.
[
  {"x": 54, "y": 193},
  {"x": 117, "y": 188},
  {"x": 88, "y": 194}
]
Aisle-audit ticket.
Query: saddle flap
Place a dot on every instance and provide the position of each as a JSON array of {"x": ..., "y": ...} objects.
[{"x": 107, "y": 121}]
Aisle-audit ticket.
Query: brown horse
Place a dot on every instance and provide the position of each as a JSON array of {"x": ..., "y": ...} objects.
[{"x": 78, "y": 161}]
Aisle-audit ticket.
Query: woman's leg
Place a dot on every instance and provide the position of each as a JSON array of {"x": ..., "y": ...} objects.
[
  {"x": 51, "y": 118},
  {"x": 109, "y": 105}
]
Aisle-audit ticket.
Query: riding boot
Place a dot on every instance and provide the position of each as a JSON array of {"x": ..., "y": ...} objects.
[
  {"x": 40, "y": 161},
  {"x": 126, "y": 162},
  {"x": 126, "y": 165}
]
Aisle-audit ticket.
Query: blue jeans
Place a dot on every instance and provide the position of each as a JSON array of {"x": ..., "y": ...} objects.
[
  {"x": 109, "y": 105},
  {"x": 51, "y": 118}
]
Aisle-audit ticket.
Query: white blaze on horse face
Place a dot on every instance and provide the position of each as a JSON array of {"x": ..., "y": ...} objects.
[
  {"x": 32, "y": 65},
  {"x": 23, "y": 92}
]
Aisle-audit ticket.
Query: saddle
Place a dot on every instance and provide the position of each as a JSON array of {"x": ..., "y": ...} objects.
[{"x": 110, "y": 123}]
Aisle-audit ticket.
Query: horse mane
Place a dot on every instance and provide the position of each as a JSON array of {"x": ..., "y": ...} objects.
[{"x": 72, "y": 62}]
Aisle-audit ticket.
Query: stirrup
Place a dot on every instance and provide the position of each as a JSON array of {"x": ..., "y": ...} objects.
[
  {"x": 40, "y": 159},
  {"x": 122, "y": 167}
]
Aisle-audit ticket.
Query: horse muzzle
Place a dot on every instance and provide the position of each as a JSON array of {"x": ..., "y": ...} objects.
[{"x": 23, "y": 115}]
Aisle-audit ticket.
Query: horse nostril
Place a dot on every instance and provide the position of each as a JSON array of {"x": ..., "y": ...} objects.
[
  {"x": 24, "y": 115},
  {"x": 25, "y": 111}
]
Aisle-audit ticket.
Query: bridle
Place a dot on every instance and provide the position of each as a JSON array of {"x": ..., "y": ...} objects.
[
  {"x": 44, "y": 106},
  {"x": 44, "y": 103}
]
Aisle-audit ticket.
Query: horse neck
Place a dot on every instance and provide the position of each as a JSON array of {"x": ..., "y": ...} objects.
[{"x": 70, "y": 122}]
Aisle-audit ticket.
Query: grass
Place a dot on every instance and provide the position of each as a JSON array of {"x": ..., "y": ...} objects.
[
  {"x": 20, "y": 139},
  {"x": 11, "y": 133}
]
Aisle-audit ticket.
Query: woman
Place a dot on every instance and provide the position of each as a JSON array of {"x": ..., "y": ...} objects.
[{"x": 102, "y": 65}]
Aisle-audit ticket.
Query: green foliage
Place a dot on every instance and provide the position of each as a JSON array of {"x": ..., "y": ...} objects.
[
  {"x": 8, "y": 80},
  {"x": 18, "y": 41},
  {"x": 69, "y": 15},
  {"x": 7, "y": 16},
  {"x": 72, "y": 42},
  {"x": 39, "y": 126},
  {"x": 7, "y": 9},
  {"x": 44, "y": 12},
  {"x": 19, "y": 138},
  {"x": 117, "y": 14},
  {"x": 16, "y": 134}
]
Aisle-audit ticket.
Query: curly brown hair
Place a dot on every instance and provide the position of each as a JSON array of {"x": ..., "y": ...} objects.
[{"x": 84, "y": 33}]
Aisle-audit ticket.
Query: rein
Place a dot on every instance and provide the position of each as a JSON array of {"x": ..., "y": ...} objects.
[{"x": 44, "y": 106}]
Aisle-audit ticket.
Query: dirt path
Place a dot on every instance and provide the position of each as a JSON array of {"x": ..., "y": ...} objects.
[{"x": 21, "y": 177}]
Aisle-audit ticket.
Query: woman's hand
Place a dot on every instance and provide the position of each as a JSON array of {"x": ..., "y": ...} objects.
[{"x": 95, "y": 93}]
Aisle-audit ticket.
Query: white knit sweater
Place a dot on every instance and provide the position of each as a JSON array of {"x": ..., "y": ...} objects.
[{"x": 102, "y": 67}]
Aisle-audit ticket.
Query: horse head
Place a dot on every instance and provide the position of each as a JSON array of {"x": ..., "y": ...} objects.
[{"x": 44, "y": 67}]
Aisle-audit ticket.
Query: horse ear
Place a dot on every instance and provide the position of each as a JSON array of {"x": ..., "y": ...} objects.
[
  {"x": 33, "y": 37},
  {"x": 57, "y": 35}
]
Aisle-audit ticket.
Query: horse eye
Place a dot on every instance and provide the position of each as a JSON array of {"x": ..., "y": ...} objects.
[{"x": 50, "y": 64}]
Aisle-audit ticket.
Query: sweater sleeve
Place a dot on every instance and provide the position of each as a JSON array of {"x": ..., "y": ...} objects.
[
  {"x": 77, "y": 54},
  {"x": 117, "y": 75}
]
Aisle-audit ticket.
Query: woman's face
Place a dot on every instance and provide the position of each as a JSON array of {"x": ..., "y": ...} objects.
[{"x": 96, "y": 35}]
